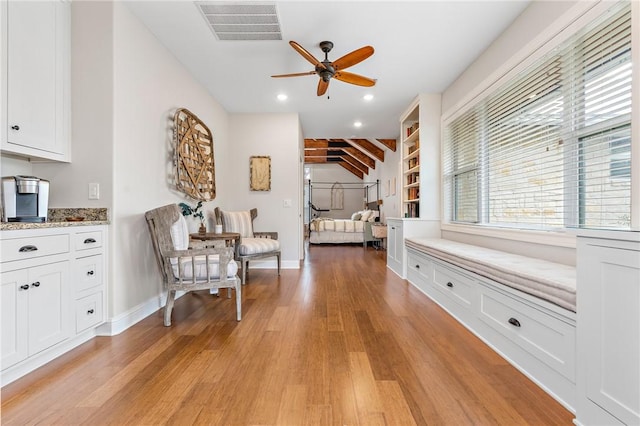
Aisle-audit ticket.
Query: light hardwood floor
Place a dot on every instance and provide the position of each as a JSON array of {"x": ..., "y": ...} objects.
[{"x": 342, "y": 341}]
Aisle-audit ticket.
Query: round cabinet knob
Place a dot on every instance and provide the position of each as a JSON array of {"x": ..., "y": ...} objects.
[
  {"x": 15, "y": 127},
  {"x": 90, "y": 311},
  {"x": 36, "y": 284},
  {"x": 25, "y": 286},
  {"x": 90, "y": 273}
]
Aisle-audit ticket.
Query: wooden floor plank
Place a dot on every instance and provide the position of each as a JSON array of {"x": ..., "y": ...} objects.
[{"x": 342, "y": 341}]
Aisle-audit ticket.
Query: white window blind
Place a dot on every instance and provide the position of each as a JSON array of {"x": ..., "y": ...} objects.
[{"x": 552, "y": 147}]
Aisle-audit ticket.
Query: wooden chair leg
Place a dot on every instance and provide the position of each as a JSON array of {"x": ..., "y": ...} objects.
[
  {"x": 245, "y": 265},
  {"x": 168, "y": 307},
  {"x": 278, "y": 256}
]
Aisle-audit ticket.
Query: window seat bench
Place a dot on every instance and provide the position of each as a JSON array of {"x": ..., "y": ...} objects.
[
  {"x": 547, "y": 280},
  {"x": 523, "y": 308}
]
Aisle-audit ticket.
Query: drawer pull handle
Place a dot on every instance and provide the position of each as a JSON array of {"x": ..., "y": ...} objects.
[
  {"x": 36, "y": 284},
  {"x": 450, "y": 284},
  {"x": 90, "y": 312},
  {"x": 15, "y": 127},
  {"x": 514, "y": 322},
  {"x": 417, "y": 266},
  {"x": 27, "y": 249},
  {"x": 89, "y": 241},
  {"x": 90, "y": 272},
  {"x": 24, "y": 286}
]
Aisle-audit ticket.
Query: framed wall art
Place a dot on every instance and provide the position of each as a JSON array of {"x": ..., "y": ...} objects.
[{"x": 260, "y": 173}]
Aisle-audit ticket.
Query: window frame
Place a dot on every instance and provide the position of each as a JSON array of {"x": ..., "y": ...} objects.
[{"x": 560, "y": 237}]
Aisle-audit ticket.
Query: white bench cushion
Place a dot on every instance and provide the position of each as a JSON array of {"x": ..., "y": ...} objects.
[
  {"x": 550, "y": 281},
  {"x": 201, "y": 268},
  {"x": 258, "y": 245}
]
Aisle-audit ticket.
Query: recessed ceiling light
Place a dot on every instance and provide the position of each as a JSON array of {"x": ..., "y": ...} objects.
[
  {"x": 357, "y": 124},
  {"x": 282, "y": 97},
  {"x": 367, "y": 97}
]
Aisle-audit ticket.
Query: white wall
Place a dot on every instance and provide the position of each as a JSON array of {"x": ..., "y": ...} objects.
[
  {"x": 277, "y": 136},
  {"x": 386, "y": 172},
  {"x": 11, "y": 165},
  {"x": 149, "y": 84}
]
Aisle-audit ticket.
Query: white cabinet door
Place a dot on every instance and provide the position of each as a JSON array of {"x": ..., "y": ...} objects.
[
  {"x": 37, "y": 61},
  {"x": 49, "y": 306},
  {"x": 395, "y": 246},
  {"x": 14, "y": 317},
  {"x": 609, "y": 323}
]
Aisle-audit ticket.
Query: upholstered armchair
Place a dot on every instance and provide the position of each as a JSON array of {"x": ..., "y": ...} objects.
[
  {"x": 189, "y": 269},
  {"x": 253, "y": 245}
]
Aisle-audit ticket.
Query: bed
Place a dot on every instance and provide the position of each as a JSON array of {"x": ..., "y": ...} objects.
[{"x": 357, "y": 229}]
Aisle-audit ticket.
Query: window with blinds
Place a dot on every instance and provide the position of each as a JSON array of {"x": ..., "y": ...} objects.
[{"x": 552, "y": 147}]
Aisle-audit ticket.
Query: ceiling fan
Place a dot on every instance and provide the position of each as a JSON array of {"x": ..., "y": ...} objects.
[{"x": 328, "y": 70}]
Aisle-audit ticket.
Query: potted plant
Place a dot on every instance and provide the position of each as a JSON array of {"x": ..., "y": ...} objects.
[{"x": 196, "y": 212}]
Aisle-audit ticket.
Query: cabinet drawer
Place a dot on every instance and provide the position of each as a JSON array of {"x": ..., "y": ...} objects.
[
  {"x": 32, "y": 247},
  {"x": 418, "y": 271},
  {"x": 458, "y": 287},
  {"x": 88, "y": 240},
  {"x": 542, "y": 335},
  {"x": 88, "y": 272},
  {"x": 89, "y": 312}
]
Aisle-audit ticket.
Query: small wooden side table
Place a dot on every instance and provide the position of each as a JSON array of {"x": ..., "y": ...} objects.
[{"x": 228, "y": 238}]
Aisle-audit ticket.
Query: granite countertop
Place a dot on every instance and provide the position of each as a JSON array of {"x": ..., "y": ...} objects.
[{"x": 59, "y": 217}]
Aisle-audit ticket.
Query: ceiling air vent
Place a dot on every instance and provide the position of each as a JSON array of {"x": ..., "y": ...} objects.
[{"x": 242, "y": 21}]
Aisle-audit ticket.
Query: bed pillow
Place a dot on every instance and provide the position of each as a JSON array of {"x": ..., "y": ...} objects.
[
  {"x": 356, "y": 216},
  {"x": 366, "y": 215}
]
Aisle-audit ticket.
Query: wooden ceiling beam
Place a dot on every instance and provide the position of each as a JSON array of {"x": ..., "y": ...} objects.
[
  {"x": 360, "y": 156},
  {"x": 352, "y": 169},
  {"x": 355, "y": 163},
  {"x": 368, "y": 147},
  {"x": 389, "y": 143}
]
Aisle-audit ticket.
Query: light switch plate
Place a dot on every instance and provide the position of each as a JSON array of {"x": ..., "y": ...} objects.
[
  {"x": 94, "y": 191},
  {"x": 286, "y": 202}
]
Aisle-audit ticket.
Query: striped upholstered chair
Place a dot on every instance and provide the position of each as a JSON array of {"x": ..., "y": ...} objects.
[{"x": 253, "y": 245}]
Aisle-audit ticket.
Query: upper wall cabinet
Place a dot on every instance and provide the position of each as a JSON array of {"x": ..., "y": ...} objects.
[{"x": 35, "y": 96}]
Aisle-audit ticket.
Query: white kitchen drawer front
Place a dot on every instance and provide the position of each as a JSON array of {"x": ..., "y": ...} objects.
[
  {"x": 458, "y": 287},
  {"x": 88, "y": 272},
  {"x": 89, "y": 312},
  {"x": 28, "y": 248},
  {"x": 542, "y": 335},
  {"x": 88, "y": 240}
]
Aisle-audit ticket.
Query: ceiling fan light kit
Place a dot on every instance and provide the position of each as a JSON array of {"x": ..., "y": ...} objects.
[{"x": 327, "y": 70}]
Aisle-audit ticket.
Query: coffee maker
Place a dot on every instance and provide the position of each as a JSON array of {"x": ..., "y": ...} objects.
[{"x": 24, "y": 199}]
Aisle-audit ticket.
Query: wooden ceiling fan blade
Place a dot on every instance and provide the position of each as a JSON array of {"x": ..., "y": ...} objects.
[
  {"x": 298, "y": 74},
  {"x": 322, "y": 87},
  {"x": 356, "y": 79},
  {"x": 353, "y": 58},
  {"x": 308, "y": 56}
]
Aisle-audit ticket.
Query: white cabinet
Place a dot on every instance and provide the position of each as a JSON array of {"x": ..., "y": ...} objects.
[
  {"x": 35, "y": 310},
  {"x": 400, "y": 228},
  {"x": 53, "y": 293},
  {"x": 35, "y": 52},
  {"x": 395, "y": 244},
  {"x": 608, "y": 328}
]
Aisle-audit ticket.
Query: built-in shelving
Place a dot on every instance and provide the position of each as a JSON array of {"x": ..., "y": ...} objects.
[{"x": 410, "y": 131}]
